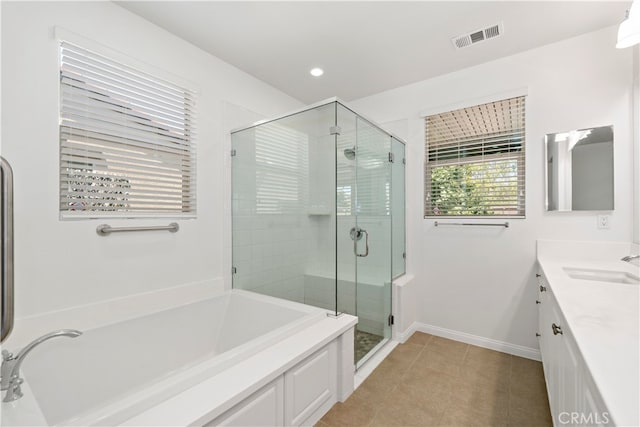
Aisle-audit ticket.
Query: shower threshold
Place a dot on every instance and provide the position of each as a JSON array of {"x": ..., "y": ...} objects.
[{"x": 366, "y": 345}]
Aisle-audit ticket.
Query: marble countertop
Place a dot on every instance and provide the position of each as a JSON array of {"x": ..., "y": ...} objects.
[{"x": 603, "y": 317}]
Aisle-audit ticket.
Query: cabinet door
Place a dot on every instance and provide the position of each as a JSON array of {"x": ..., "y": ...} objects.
[
  {"x": 542, "y": 302},
  {"x": 263, "y": 408},
  {"x": 310, "y": 386},
  {"x": 595, "y": 413},
  {"x": 561, "y": 365},
  {"x": 546, "y": 342},
  {"x": 551, "y": 357},
  {"x": 569, "y": 390}
]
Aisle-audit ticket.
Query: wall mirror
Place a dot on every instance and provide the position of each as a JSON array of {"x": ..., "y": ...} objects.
[{"x": 579, "y": 170}]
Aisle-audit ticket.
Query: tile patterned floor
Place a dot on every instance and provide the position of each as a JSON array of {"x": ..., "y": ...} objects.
[
  {"x": 432, "y": 381},
  {"x": 364, "y": 342}
]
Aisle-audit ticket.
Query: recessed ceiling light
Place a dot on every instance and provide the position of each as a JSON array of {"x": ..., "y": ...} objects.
[{"x": 316, "y": 72}]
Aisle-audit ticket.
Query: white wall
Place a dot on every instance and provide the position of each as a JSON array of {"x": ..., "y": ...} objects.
[
  {"x": 480, "y": 281},
  {"x": 636, "y": 144},
  {"x": 62, "y": 264}
]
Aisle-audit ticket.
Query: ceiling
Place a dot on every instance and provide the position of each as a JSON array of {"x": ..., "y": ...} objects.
[{"x": 367, "y": 47}]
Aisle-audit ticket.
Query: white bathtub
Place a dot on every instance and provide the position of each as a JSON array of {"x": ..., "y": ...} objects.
[{"x": 114, "y": 373}]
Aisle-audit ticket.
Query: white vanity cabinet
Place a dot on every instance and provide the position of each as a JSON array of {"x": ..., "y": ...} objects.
[{"x": 573, "y": 398}]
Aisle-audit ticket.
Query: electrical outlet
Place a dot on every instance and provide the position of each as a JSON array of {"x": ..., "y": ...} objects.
[{"x": 603, "y": 221}]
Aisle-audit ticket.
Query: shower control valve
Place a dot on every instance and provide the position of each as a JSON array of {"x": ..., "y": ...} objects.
[{"x": 356, "y": 233}]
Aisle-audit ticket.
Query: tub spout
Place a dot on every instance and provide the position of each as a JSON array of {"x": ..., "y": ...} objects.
[{"x": 11, "y": 380}]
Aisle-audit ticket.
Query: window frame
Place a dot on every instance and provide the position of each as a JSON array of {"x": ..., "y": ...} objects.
[
  {"x": 520, "y": 158},
  {"x": 189, "y": 193}
]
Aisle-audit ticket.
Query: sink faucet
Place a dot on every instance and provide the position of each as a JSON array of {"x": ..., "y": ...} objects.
[
  {"x": 630, "y": 258},
  {"x": 10, "y": 370}
]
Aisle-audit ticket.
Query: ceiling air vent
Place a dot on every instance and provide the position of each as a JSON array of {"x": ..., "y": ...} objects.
[{"x": 478, "y": 36}]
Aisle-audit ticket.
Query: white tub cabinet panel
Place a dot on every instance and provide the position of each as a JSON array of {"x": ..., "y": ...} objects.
[
  {"x": 311, "y": 384},
  {"x": 263, "y": 408},
  {"x": 346, "y": 367},
  {"x": 298, "y": 397}
]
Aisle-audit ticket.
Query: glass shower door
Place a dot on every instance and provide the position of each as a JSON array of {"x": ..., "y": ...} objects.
[{"x": 372, "y": 238}]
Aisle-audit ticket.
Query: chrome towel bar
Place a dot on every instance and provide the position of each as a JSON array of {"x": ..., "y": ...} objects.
[
  {"x": 105, "y": 230},
  {"x": 474, "y": 224}
]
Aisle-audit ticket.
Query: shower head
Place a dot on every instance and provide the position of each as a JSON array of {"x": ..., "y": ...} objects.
[{"x": 350, "y": 153}]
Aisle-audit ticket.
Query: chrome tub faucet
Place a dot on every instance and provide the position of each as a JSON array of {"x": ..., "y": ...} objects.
[
  {"x": 629, "y": 258},
  {"x": 10, "y": 370}
]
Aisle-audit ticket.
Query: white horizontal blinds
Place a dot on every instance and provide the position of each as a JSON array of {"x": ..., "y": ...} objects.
[
  {"x": 282, "y": 168},
  {"x": 126, "y": 140},
  {"x": 475, "y": 161}
]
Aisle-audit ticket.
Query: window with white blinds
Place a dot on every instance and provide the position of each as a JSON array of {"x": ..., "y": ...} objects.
[
  {"x": 126, "y": 140},
  {"x": 475, "y": 161}
]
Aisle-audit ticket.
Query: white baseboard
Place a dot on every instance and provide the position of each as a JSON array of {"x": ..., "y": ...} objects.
[
  {"x": 402, "y": 337},
  {"x": 504, "y": 347}
]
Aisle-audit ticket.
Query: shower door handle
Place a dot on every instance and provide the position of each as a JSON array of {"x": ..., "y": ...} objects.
[{"x": 366, "y": 244}]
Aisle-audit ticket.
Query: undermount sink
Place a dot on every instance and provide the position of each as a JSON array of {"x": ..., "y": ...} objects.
[{"x": 602, "y": 275}]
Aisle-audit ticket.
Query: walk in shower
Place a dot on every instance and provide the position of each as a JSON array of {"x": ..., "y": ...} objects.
[{"x": 318, "y": 214}]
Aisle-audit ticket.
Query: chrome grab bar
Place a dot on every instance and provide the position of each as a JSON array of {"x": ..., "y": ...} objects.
[
  {"x": 6, "y": 247},
  {"x": 105, "y": 230}
]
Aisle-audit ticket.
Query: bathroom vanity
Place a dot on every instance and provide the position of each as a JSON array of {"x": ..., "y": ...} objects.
[{"x": 588, "y": 331}]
